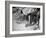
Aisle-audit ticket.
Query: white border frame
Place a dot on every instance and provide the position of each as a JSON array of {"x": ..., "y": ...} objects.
[{"x": 22, "y": 32}]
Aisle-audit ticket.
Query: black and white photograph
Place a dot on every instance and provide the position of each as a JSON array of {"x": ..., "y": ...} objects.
[{"x": 25, "y": 18}]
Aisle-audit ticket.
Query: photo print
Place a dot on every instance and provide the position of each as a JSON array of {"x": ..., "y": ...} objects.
[{"x": 25, "y": 18}]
